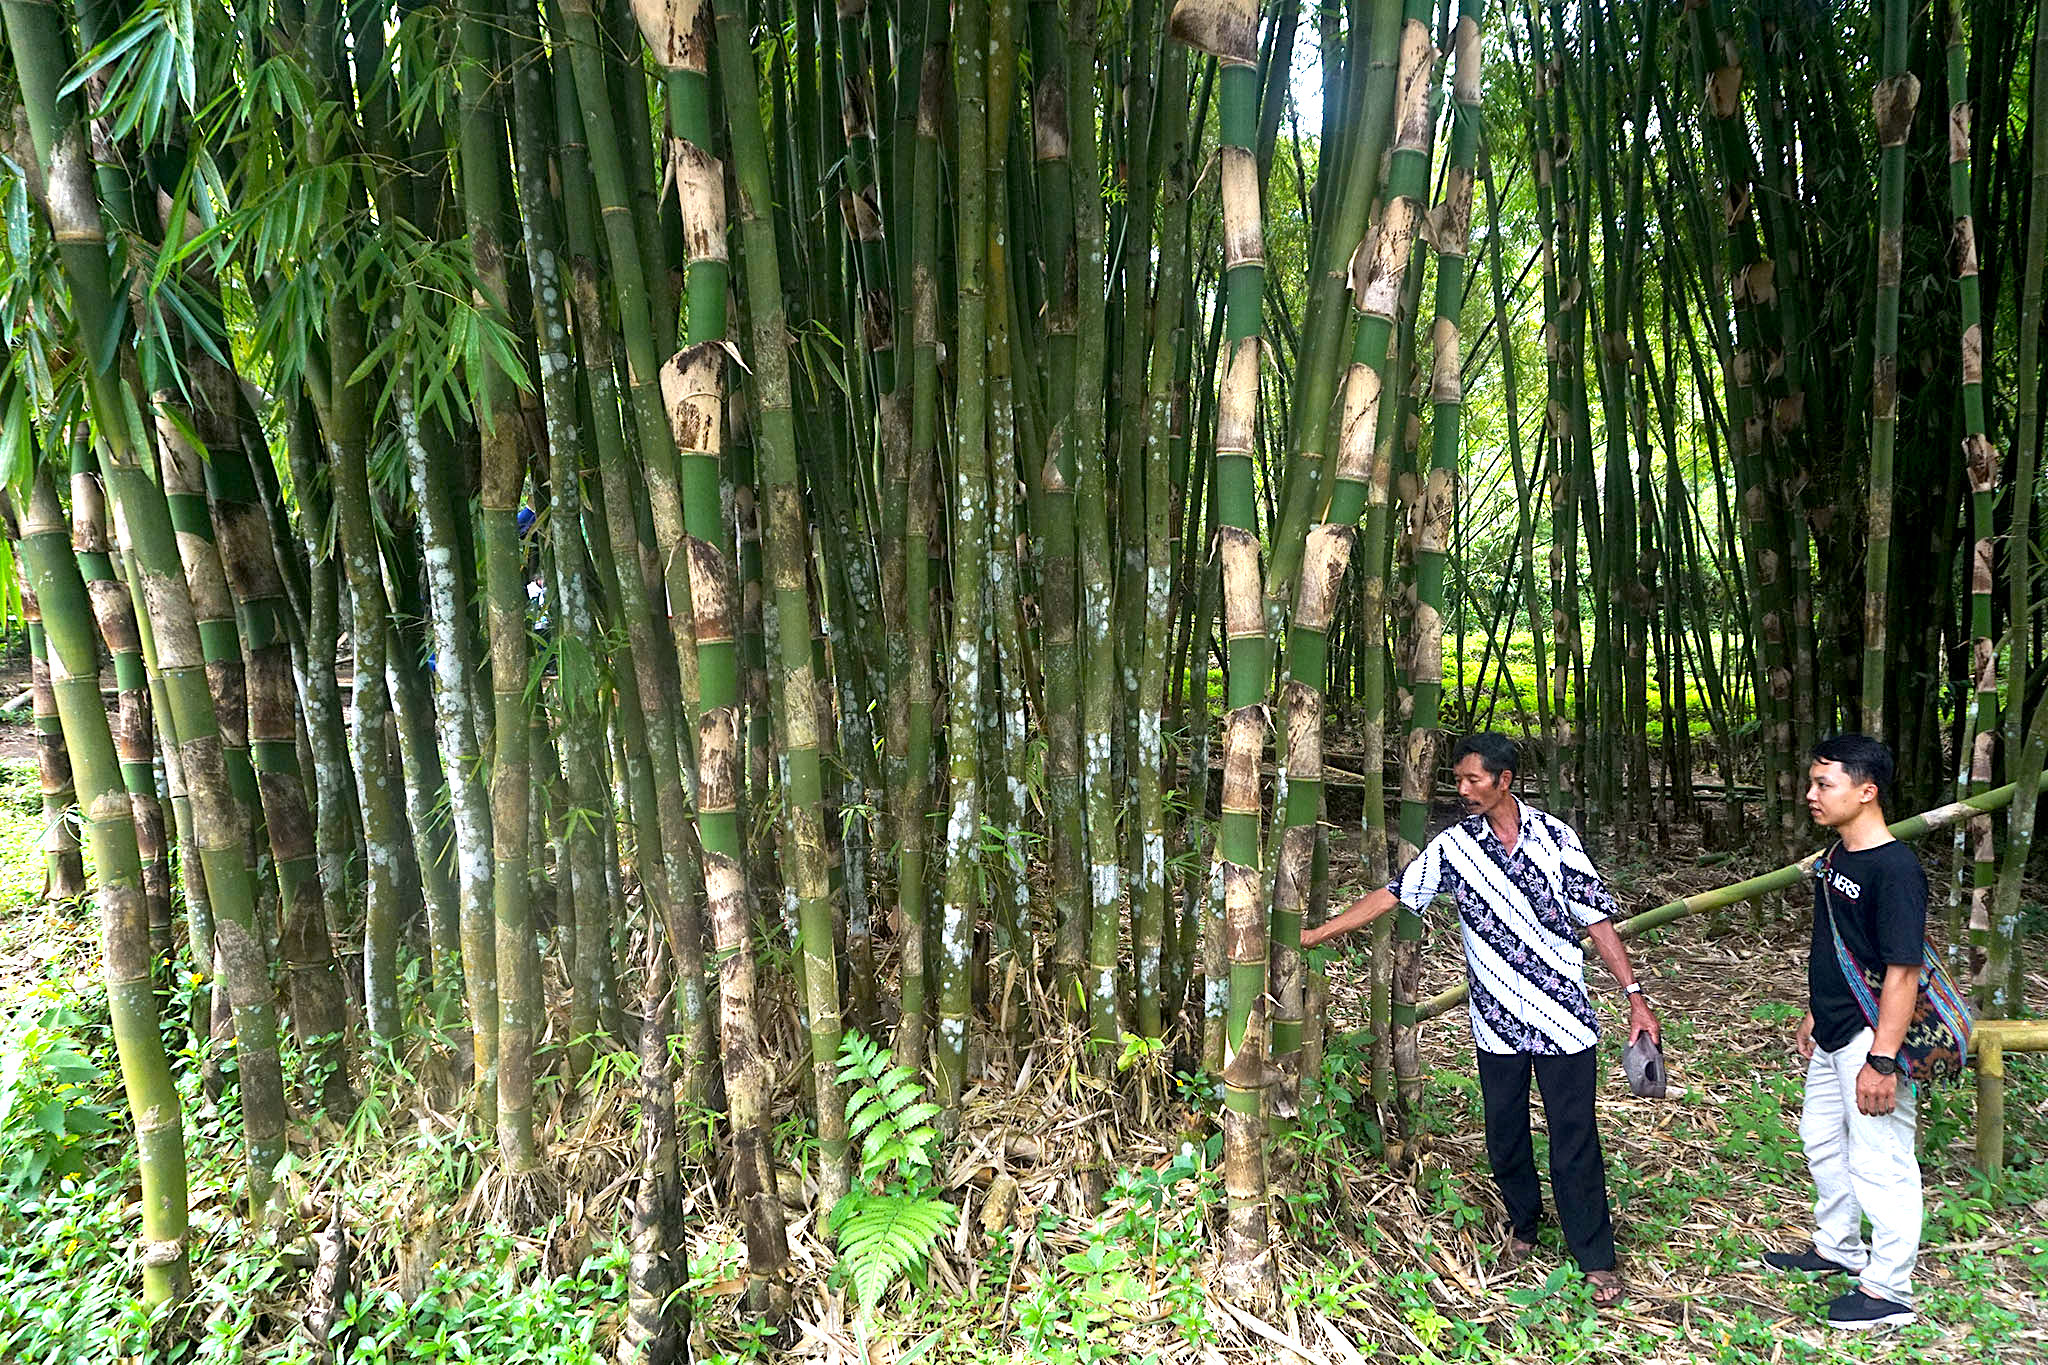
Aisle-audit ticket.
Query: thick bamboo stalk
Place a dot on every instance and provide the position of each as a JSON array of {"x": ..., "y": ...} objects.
[
  {"x": 124, "y": 915},
  {"x": 457, "y": 731},
  {"x": 1980, "y": 461},
  {"x": 1228, "y": 31},
  {"x": 1380, "y": 280},
  {"x": 1892, "y": 105},
  {"x": 970, "y": 557},
  {"x": 680, "y": 40},
  {"x": 502, "y": 475},
  {"x": 1013, "y": 799},
  {"x": 1101, "y": 695},
  {"x": 912, "y": 894},
  {"x": 134, "y": 735},
  {"x": 334, "y": 783},
  {"x": 578, "y": 714},
  {"x": 319, "y": 1000},
  {"x": 787, "y": 552}
]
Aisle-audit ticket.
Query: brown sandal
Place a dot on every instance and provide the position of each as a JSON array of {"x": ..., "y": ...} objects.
[
  {"x": 1608, "y": 1290},
  {"x": 1515, "y": 1252}
]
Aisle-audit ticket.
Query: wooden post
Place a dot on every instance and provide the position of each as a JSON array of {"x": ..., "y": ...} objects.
[
  {"x": 1990, "y": 1102},
  {"x": 1990, "y": 1040}
]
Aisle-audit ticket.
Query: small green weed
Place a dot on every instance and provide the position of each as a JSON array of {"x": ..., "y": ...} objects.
[{"x": 50, "y": 1099}]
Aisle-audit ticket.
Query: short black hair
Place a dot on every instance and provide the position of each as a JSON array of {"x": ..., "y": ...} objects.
[
  {"x": 1865, "y": 760},
  {"x": 1495, "y": 750}
]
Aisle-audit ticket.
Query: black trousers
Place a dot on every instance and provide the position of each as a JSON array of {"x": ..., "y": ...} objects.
[{"x": 1578, "y": 1178}]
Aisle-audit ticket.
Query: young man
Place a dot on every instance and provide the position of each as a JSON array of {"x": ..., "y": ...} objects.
[
  {"x": 1524, "y": 889},
  {"x": 1857, "y": 1125}
]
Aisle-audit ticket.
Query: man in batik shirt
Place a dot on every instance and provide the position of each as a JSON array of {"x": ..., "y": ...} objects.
[{"x": 1525, "y": 890}]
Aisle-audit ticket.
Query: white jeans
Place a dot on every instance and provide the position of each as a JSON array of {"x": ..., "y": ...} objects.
[{"x": 1863, "y": 1165}]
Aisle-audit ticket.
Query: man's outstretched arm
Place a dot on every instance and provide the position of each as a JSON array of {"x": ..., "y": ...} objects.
[
  {"x": 1641, "y": 1018},
  {"x": 1357, "y": 915}
]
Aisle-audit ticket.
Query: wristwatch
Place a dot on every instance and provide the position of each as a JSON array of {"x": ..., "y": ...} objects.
[
  {"x": 1633, "y": 988},
  {"x": 1883, "y": 1066}
]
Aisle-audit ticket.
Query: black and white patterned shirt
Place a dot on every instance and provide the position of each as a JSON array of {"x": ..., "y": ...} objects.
[{"x": 1520, "y": 912}]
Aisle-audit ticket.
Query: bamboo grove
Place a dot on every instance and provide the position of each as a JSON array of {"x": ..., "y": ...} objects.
[{"x": 707, "y": 525}]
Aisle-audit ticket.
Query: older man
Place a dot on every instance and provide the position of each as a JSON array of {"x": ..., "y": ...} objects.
[{"x": 1524, "y": 889}]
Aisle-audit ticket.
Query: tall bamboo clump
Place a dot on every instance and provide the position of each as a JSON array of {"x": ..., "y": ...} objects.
[
  {"x": 41, "y": 49},
  {"x": 1228, "y": 31}
]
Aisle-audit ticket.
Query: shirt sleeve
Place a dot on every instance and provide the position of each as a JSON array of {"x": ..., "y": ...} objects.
[
  {"x": 1585, "y": 895},
  {"x": 1902, "y": 913},
  {"x": 1423, "y": 880}
]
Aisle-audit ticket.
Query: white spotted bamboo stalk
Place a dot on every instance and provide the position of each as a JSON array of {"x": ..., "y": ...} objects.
[{"x": 962, "y": 907}]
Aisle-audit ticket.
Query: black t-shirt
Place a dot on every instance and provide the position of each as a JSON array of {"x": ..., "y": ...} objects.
[{"x": 1879, "y": 897}]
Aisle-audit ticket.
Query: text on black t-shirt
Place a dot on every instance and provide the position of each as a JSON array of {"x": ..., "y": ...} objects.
[{"x": 1879, "y": 900}]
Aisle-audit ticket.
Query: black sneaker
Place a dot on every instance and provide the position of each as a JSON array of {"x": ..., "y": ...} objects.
[
  {"x": 1809, "y": 1262},
  {"x": 1856, "y": 1311}
]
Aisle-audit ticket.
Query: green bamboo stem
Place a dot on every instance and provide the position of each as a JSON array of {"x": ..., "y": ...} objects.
[
  {"x": 146, "y": 1078},
  {"x": 1101, "y": 710},
  {"x": 346, "y": 423},
  {"x": 456, "y": 731},
  {"x": 912, "y": 826},
  {"x": 1366, "y": 454},
  {"x": 970, "y": 547},
  {"x": 1166, "y": 344},
  {"x": 179, "y": 430},
  {"x": 502, "y": 474},
  {"x": 579, "y": 720},
  {"x": 334, "y": 783},
  {"x": 1369, "y": 100},
  {"x": 1229, "y": 33},
  {"x": 134, "y": 734},
  {"x": 787, "y": 546},
  {"x": 1051, "y": 151},
  {"x": 319, "y": 1001},
  {"x": 654, "y": 682},
  {"x": 1013, "y": 800}
]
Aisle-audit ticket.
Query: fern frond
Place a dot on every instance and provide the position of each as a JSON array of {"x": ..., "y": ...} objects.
[{"x": 883, "y": 1237}]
